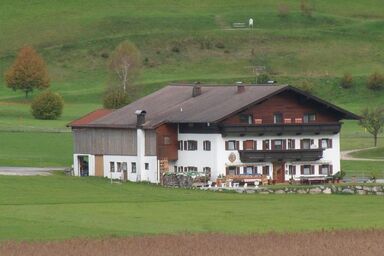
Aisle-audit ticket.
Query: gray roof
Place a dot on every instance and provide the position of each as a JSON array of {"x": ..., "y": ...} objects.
[{"x": 175, "y": 104}]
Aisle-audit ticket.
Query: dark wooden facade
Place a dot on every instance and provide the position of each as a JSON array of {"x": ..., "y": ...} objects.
[
  {"x": 248, "y": 156},
  {"x": 167, "y": 142},
  {"x": 291, "y": 105}
]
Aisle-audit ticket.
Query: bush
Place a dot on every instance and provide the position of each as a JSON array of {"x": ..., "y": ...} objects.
[
  {"x": 283, "y": 10},
  {"x": 115, "y": 97},
  {"x": 346, "y": 81},
  {"x": 375, "y": 81},
  {"x": 47, "y": 105},
  {"x": 262, "y": 78}
]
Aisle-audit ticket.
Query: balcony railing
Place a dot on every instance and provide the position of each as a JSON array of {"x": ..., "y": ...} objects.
[
  {"x": 262, "y": 129},
  {"x": 250, "y": 156}
]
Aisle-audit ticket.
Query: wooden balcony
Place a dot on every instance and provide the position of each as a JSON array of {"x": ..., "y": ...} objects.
[
  {"x": 279, "y": 129},
  {"x": 251, "y": 156}
]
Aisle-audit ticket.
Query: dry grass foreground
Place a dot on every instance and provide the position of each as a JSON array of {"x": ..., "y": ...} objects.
[{"x": 369, "y": 242}]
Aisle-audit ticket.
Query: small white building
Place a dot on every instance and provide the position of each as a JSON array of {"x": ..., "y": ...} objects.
[{"x": 275, "y": 130}]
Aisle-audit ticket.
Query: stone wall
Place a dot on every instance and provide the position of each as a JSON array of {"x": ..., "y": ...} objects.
[{"x": 340, "y": 189}]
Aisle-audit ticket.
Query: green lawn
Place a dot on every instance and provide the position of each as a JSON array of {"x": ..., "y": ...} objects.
[
  {"x": 374, "y": 153},
  {"x": 59, "y": 207},
  {"x": 363, "y": 168}
]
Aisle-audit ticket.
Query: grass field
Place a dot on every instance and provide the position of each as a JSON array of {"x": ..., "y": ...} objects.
[
  {"x": 375, "y": 153},
  {"x": 74, "y": 38},
  {"x": 60, "y": 207}
]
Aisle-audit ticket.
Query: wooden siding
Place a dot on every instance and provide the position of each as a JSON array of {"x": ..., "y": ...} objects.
[
  {"x": 101, "y": 141},
  {"x": 290, "y": 105},
  {"x": 150, "y": 142},
  {"x": 169, "y": 150}
]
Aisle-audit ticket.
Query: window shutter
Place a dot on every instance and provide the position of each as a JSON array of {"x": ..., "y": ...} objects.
[
  {"x": 302, "y": 169},
  {"x": 226, "y": 145},
  {"x": 293, "y": 141},
  {"x": 330, "y": 143},
  {"x": 284, "y": 144},
  {"x": 330, "y": 169},
  {"x": 301, "y": 143},
  {"x": 227, "y": 170},
  {"x": 237, "y": 170},
  {"x": 312, "y": 169},
  {"x": 237, "y": 145},
  {"x": 272, "y": 144},
  {"x": 320, "y": 146},
  {"x": 254, "y": 145},
  {"x": 185, "y": 145}
]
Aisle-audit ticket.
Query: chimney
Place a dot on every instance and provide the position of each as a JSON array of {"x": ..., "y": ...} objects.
[
  {"x": 140, "y": 117},
  {"x": 196, "y": 90},
  {"x": 240, "y": 87}
]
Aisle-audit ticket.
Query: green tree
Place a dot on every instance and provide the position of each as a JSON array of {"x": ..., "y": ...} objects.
[
  {"x": 375, "y": 81},
  {"x": 373, "y": 121},
  {"x": 125, "y": 64},
  {"x": 28, "y": 72},
  {"x": 115, "y": 97},
  {"x": 47, "y": 105}
]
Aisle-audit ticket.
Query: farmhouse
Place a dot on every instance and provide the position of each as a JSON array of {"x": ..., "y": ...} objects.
[{"x": 277, "y": 131}]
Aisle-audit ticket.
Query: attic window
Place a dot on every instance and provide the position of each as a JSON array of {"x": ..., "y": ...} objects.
[
  {"x": 309, "y": 117},
  {"x": 246, "y": 118},
  {"x": 277, "y": 118}
]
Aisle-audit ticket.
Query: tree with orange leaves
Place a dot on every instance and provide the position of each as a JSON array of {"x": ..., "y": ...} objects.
[{"x": 28, "y": 72}]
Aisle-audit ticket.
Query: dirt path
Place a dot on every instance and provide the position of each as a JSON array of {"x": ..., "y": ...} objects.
[
  {"x": 332, "y": 243},
  {"x": 28, "y": 171},
  {"x": 346, "y": 155}
]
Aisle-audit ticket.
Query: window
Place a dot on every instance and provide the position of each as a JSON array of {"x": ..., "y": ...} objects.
[
  {"x": 191, "y": 169},
  {"x": 306, "y": 143},
  {"x": 180, "y": 169},
  {"x": 307, "y": 170},
  {"x": 125, "y": 167},
  {"x": 291, "y": 144},
  {"x": 180, "y": 145},
  {"x": 249, "y": 145},
  {"x": 325, "y": 169},
  {"x": 232, "y": 170},
  {"x": 119, "y": 166},
  {"x": 292, "y": 170},
  {"x": 207, "y": 172},
  {"x": 325, "y": 143},
  {"x": 248, "y": 170},
  {"x": 266, "y": 170},
  {"x": 309, "y": 117},
  {"x": 133, "y": 167},
  {"x": 167, "y": 140},
  {"x": 246, "y": 118},
  {"x": 231, "y": 145},
  {"x": 265, "y": 144},
  {"x": 146, "y": 166},
  {"x": 278, "y": 144},
  {"x": 207, "y": 145},
  {"x": 190, "y": 145},
  {"x": 277, "y": 118},
  {"x": 112, "y": 166}
]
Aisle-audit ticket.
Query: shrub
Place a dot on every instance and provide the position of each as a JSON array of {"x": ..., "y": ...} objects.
[
  {"x": 262, "y": 78},
  {"x": 346, "y": 81},
  {"x": 283, "y": 10},
  {"x": 375, "y": 81},
  {"x": 115, "y": 97},
  {"x": 47, "y": 105}
]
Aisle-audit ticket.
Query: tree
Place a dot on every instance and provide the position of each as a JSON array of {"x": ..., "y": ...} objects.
[
  {"x": 28, "y": 72},
  {"x": 346, "y": 81},
  {"x": 125, "y": 63},
  {"x": 373, "y": 121},
  {"x": 115, "y": 97},
  {"x": 47, "y": 105},
  {"x": 375, "y": 81}
]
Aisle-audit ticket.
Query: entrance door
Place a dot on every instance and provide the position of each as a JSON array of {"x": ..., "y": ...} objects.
[
  {"x": 99, "y": 166},
  {"x": 278, "y": 172}
]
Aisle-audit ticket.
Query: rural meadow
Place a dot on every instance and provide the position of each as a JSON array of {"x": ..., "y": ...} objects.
[{"x": 209, "y": 127}]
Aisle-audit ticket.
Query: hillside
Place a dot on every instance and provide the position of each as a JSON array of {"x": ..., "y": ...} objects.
[{"x": 190, "y": 41}]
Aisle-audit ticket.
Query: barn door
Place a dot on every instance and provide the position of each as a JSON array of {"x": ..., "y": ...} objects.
[{"x": 99, "y": 166}]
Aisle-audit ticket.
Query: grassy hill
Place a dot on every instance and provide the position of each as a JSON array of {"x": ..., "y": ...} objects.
[{"x": 188, "y": 41}]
